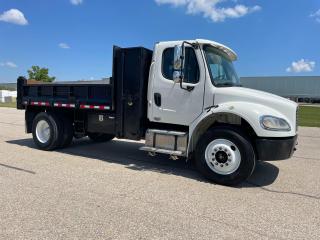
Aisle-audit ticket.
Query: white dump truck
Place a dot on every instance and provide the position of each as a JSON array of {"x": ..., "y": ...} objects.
[{"x": 184, "y": 98}]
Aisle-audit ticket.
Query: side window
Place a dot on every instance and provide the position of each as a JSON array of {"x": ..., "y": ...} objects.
[
  {"x": 167, "y": 63},
  {"x": 191, "y": 67}
]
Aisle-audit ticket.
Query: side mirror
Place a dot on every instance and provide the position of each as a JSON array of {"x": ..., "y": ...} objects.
[
  {"x": 178, "y": 58},
  {"x": 178, "y": 63}
]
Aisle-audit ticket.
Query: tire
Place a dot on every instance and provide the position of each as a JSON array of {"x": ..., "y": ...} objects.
[
  {"x": 46, "y": 131},
  {"x": 100, "y": 137},
  {"x": 225, "y": 155},
  {"x": 67, "y": 135}
]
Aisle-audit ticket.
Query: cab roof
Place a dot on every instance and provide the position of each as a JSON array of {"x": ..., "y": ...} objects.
[{"x": 230, "y": 53}]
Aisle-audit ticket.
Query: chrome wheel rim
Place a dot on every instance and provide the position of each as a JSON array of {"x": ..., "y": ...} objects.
[
  {"x": 223, "y": 156},
  {"x": 43, "y": 131}
]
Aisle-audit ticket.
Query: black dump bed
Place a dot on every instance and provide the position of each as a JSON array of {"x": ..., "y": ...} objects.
[
  {"x": 124, "y": 96},
  {"x": 77, "y": 94}
]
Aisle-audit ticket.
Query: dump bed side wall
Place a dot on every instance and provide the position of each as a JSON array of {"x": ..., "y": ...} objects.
[
  {"x": 83, "y": 103},
  {"x": 74, "y": 95}
]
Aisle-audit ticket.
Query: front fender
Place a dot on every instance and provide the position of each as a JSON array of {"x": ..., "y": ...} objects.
[{"x": 250, "y": 112}]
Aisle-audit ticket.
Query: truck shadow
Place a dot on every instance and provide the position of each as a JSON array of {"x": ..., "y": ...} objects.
[{"x": 127, "y": 154}]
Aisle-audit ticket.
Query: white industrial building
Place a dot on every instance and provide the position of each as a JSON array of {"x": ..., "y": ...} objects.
[
  {"x": 298, "y": 88},
  {"x": 8, "y": 96}
]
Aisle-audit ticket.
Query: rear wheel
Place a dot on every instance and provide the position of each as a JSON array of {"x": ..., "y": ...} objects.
[
  {"x": 100, "y": 137},
  {"x": 46, "y": 131},
  {"x": 225, "y": 156}
]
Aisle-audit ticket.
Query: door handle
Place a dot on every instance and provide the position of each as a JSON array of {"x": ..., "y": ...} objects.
[{"x": 157, "y": 99}]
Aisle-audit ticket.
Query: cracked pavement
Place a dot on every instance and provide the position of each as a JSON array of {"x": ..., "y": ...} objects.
[{"x": 114, "y": 191}]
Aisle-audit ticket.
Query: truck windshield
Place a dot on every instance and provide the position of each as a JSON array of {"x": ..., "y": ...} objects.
[{"x": 221, "y": 68}]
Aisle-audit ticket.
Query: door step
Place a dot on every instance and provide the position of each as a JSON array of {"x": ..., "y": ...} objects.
[
  {"x": 173, "y": 143},
  {"x": 163, "y": 151}
]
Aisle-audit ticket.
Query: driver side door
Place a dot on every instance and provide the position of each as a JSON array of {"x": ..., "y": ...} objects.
[{"x": 170, "y": 103}]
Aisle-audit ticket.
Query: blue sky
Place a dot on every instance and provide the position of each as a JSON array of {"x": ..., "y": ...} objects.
[{"x": 74, "y": 38}]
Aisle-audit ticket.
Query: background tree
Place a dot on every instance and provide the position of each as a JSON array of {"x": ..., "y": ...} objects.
[{"x": 40, "y": 74}]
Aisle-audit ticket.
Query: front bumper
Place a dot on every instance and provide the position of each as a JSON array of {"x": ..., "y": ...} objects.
[{"x": 275, "y": 148}]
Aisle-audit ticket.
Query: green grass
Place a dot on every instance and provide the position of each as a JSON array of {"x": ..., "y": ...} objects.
[
  {"x": 309, "y": 116},
  {"x": 11, "y": 105}
]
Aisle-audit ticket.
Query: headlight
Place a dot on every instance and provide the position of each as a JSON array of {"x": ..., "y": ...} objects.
[{"x": 274, "y": 123}]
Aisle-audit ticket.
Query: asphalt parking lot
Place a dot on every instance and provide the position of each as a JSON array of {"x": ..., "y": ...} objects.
[{"x": 114, "y": 191}]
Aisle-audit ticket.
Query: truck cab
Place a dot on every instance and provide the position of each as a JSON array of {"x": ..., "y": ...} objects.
[{"x": 184, "y": 98}]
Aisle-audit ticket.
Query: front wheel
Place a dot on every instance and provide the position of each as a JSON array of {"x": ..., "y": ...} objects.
[{"x": 225, "y": 155}]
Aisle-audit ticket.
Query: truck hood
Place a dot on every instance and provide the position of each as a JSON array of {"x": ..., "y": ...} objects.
[{"x": 282, "y": 105}]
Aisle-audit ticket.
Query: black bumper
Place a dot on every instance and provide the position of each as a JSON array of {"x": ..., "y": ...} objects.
[{"x": 275, "y": 148}]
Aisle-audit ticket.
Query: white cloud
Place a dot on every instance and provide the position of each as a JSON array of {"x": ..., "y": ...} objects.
[
  {"x": 13, "y": 16},
  {"x": 76, "y": 2},
  {"x": 175, "y": 3},
  {"x": 316, "y": 16},
  {"x": 209, "y": 8},
  {"x": 301, "y": 66},
  {"x": 64, "y": 45},
  {"x": 8, "y": 64}
]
